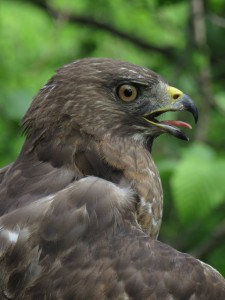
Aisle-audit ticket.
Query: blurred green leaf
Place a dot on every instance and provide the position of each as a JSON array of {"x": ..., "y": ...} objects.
[
  {"x": 198, "y": 183},
  {"x": 220, "y": 99}
]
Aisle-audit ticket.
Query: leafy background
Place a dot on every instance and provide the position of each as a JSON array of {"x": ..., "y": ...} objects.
[{"x": 184, "y": 41}]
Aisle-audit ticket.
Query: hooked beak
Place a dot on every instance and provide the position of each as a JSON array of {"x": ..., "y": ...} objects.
[{"x": 178, "y": 101}]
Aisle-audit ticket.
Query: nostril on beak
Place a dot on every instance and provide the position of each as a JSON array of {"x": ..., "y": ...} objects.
[
  {"x": 174, "y": 93},
  {"x": 176, "y": 96}
]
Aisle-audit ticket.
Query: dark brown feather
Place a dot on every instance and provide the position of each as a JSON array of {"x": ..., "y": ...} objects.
[{"x": 84, "y": 243}]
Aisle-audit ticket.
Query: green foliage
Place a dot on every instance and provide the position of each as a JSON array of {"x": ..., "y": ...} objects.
[
  {"x": 33, "y": 44},
  {"x": 217, "y": 259},
  {"x": 198, "y": 183}
]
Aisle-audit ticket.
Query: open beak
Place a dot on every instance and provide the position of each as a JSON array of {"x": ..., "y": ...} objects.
[{"x": 178, "y": 101}]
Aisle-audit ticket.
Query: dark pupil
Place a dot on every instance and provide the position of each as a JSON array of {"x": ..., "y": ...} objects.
[{"x": 128, "y": 92}]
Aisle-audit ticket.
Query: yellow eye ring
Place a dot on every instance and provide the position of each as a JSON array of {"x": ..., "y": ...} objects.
[{"x": 127, "y": 92}]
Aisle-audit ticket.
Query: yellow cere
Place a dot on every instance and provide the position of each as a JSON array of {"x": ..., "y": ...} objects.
[{"x": 174, "y": 93}]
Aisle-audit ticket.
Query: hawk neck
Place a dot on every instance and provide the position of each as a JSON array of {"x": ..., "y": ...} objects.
[{"x": 141, "y": 174}]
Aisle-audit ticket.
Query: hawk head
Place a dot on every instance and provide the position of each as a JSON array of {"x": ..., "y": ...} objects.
[
  {"x": 98, "y": 117},
  {"x": 104, "y": 96}
]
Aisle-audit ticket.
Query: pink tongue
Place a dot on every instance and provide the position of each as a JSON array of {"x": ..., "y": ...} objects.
[{"x": 176, "y": 123}]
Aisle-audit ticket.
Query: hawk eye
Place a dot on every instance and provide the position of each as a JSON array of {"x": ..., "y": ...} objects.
[{"x": 127, "y": 92}]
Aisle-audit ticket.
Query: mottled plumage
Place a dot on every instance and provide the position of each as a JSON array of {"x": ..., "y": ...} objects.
[{"x": 82, "y": 205}]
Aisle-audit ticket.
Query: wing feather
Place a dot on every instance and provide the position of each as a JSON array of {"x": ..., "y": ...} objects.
[{"x": 84, "y": 242}]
